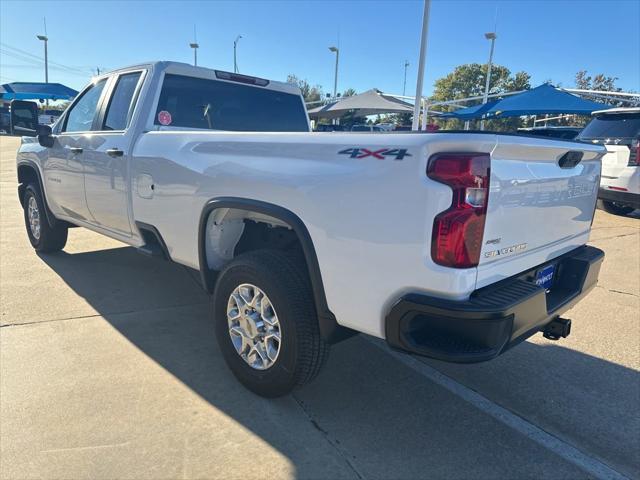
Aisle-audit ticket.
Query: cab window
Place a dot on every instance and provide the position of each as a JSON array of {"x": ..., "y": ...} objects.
[
  {"x": 220, "y": 105},
  {"x": 80, "y": 117},
  {"x": 122, "y": 102}
]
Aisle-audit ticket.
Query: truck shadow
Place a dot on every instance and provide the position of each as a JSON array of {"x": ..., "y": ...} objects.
[{"x": 367, "y": 415}]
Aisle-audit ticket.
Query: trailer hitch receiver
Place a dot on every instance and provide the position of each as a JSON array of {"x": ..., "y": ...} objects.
[{"x": 557, "y": 328}]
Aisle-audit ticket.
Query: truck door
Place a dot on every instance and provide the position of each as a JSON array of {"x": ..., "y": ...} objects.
[
  {"x": 63, "y": 168},
  {"x": 106, "y": 160}
]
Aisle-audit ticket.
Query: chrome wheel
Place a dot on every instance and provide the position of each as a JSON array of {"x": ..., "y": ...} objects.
[
  {"x": 33, "y": 214},
  {"x": 253, "y": 326}
]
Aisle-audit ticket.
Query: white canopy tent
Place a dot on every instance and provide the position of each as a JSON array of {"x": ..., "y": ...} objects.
[{"x": 371, "y": 102}]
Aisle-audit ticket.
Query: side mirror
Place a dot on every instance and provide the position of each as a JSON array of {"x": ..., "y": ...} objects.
[
  {"x": 45, "y": 138},
  {"x": 23, "y": 117}
]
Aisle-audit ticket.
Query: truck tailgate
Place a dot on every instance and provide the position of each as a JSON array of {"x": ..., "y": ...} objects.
[{"x": 537, "y": 210}]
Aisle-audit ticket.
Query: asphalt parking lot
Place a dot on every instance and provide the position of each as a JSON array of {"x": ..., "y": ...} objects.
[{"x": 109, "y": 369}]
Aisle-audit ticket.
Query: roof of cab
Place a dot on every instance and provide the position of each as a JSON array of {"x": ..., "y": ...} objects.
[{"x": 203, "y": 72}]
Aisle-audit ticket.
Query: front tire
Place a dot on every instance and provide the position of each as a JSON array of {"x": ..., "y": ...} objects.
[
  {"x": 266, "y": 322},
  {"x": 616, "y": 208},
  {"x": 42, "y": 236}
]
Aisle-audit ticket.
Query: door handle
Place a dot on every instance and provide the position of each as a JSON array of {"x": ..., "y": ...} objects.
[
  {"x": 76, "y": 150},
  {"x": 114, "y": 152}
]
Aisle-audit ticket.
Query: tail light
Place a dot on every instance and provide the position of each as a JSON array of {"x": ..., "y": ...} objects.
[
  {"x": 457, "y": 232},
  {"x": 634, "y": 153}
]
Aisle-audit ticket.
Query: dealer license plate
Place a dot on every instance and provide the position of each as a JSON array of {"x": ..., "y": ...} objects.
[{"x": 544, "y": 276}]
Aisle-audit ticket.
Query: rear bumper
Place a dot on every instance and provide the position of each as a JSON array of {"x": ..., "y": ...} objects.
[
  {"x": 494, "y": 318},
  {"x": 625, "y": 198}
]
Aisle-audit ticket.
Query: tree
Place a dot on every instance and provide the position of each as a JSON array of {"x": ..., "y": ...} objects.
[
  {"x": 469, "y": 81},
  {"x": 349, "y": 92},
  {"x": 309, "y": 93},
  {"x": 396, "y": 118},
  {"x": 599, "y": 82}
]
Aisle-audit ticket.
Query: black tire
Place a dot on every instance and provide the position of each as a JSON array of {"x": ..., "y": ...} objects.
[
  {"x": 285, "y": 282},
  {"x": 50, "y": 239},
  {"x": 616, "y": 208}
]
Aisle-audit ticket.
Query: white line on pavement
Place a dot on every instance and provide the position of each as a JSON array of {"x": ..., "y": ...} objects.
[{"x": 590, "y": 465}]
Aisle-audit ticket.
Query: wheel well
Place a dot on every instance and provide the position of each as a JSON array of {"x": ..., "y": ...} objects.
[
  {"x": 231, "y": 231},
  {"x": 230, "y": 226},
  {"x": 26, "y": 174}
]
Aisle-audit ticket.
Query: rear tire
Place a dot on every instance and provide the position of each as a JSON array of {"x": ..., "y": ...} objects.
[
  {"x": 281, "y": 292},
  {"x": 616, "y": 208},
  {"x": 42, "y": 236}
]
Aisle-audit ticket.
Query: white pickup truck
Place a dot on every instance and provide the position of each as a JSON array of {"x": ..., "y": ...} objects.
[{"x": 456, "y": 246}]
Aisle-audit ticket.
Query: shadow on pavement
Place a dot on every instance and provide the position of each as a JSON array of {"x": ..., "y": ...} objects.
[{"x": 381, "y": 419}]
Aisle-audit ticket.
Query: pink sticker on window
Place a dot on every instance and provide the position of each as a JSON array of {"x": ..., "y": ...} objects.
[{"x": 164, "y": 118}]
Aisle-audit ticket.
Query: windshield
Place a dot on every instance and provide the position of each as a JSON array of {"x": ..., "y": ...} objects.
[
  {"x": 217, "y": 105},
  {"x": 612, "y": 127}
]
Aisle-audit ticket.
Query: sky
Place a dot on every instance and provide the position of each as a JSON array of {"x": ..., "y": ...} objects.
[{"x": 550, "y": 39}]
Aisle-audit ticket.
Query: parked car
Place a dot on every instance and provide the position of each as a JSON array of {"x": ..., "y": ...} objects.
[
  {"x": 618, "y": 129},
  {"x": 366, "y": 128},
  {"x": 568, "y": 133},
  {"x": 323, "y": 127},
  {"x": 386, "y": 127},
  {"x": 455, "y": 246},
  {"x": 48, "y": 117},
  {"x": 431, "y": 127}
]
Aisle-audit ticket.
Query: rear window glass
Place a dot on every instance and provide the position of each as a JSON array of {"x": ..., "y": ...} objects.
[
  {"x": 612, "y": 126},
  {"x": 216, "y": 105}
]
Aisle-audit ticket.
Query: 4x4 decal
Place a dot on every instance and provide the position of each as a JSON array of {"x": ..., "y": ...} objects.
[{"x": 380, "y": 154}]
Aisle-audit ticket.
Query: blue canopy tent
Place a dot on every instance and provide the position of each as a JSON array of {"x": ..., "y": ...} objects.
[
  {"x": 540, "y": 100},
  {"x": 35, "y": 91}
]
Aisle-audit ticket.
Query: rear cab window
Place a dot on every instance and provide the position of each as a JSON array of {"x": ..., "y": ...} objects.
[
  {"x": 122, "y": 102},
  {"x": 201, "y": 103}
]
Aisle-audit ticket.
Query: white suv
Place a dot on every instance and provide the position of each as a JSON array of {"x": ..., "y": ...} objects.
[{"x": 618, "y": 129}]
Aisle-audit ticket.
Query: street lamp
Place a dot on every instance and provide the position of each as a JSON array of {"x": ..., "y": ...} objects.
[
  {"x": 45, "y": 39},
  {"x": 404, "y": 85},
  {"x": 235, "y": 58},
  {"x": 335, "y": 78},
  {"x": 195, "y": 47},
  {"x": 489, "y": 36}
]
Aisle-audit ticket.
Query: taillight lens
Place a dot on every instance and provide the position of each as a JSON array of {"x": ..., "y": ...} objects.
[
  {"x": 634, "y": 153},
  {"x": 457, "y": 232}
]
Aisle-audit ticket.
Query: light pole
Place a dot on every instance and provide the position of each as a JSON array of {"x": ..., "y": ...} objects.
[
  {"x": 195, "y": 47},
  {"x": 235, "y": 58},
  {"x": 489, "y": 36},
  {"x": 421, "y": 65},
  {"x": 335, "y": 78},
  {"x": 45, "y": 39},
  {"x": 404, "y": 85}
]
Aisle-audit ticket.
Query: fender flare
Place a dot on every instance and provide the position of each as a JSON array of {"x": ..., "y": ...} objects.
[
  {"x": 329, "y": 328},
  {"x": 51, "y": 219}
]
